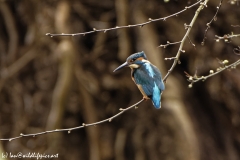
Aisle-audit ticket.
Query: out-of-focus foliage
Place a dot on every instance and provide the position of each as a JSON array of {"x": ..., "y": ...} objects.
[{"x": 61, "y": 82}]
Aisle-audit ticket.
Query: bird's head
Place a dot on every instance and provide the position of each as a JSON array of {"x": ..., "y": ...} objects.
[{"x": 134, "y": 61}]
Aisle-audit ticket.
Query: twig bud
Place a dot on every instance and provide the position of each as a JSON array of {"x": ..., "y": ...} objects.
[
  {"x": 190, "y": 85},
  {"x": 203, "y": 78},
  {"x": 225, "y": 61}
]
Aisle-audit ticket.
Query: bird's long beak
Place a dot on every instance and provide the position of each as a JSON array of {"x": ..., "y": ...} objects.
[{"x": 121, "y": 66}]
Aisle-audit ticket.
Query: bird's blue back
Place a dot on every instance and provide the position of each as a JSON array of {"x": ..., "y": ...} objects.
[{"x": 149, "y": 78}]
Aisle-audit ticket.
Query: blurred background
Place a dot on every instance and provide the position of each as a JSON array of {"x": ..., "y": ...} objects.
[{"x": 61, "y": 82}]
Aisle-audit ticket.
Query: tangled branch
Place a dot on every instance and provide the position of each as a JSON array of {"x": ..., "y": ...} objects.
[{"x": 188, "y": 27}]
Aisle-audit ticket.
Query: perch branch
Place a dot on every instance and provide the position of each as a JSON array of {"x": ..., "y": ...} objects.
[{"x": 74, "y": 128}]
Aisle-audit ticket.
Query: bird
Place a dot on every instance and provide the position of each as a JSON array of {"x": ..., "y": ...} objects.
[{"x": 146, "y": 76}]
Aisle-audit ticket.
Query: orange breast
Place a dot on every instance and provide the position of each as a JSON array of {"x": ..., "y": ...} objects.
[{"x": 143, "y": 93}]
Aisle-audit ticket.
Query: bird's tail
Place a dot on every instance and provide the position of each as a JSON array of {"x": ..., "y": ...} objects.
[{"x": 156, "y": 100}]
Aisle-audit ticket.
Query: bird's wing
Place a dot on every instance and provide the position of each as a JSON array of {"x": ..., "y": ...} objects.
[
  {"x": 149, "y": 79},
  {"x": 158, "y": 78},
  {"x": 144, "y": 80}
]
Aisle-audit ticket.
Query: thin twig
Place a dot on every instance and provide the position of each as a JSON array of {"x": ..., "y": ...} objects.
[
  {"x": 209, "y": 23},
  {"x": 128, "y": 26},
  {"x": 173, "y": 43},
  {"x": 74, "y": 128},
  {"x": 169, "y": 43},
  {"x": 190, "y": 41},
  {"x": 180, "y": 50}
]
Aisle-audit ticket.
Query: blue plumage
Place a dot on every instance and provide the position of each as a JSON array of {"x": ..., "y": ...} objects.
[
  {"x": 156, "y": 99},
  {"x": 146, "y": 76}
]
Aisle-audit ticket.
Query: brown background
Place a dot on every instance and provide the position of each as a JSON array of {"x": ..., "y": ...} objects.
[{"x": 61, "y": 82}]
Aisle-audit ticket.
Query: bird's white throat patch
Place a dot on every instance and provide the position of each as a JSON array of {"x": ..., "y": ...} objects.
[
  {"x": 144, "y": 60},
  {"x": 134, "y": 66}
]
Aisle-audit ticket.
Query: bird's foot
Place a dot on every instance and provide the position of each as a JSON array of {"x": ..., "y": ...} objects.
[{"x": 145, "y": 98}]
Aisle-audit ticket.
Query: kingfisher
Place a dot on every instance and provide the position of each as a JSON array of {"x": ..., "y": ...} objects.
[{"x": 146, "y": 76}]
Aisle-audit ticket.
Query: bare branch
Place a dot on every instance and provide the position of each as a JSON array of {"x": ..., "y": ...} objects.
[
  {"x": 128, "y": 26},
  {"x": 122, "y": 110},
  {"x": 195, "y": 78}
]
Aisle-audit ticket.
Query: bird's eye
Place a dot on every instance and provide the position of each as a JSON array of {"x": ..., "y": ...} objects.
[{"x": 132, "y": 60}]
